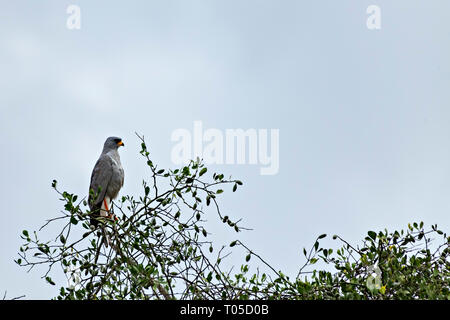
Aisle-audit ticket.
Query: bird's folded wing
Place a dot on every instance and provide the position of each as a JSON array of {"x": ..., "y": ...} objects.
[{"x": 100, "y": 178}]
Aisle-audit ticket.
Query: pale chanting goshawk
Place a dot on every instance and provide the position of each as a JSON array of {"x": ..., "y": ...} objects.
[{"x": 106, "y": 180}]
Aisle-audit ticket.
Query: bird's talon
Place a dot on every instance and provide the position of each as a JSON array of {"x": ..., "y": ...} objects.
[{"x": 112, "y": 216}]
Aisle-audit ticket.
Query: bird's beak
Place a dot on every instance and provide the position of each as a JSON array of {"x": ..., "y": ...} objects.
[{"x": 120, "y": 143}]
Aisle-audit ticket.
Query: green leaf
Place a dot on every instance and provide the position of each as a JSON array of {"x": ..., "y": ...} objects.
[
  {"x": 372, "y": 234},
  {"x": 73, "y": 220},
  {"x": 49, "y": 280},
  {"x": 202, "y": 172},
  {"x": 316, "y": 245},
  {"x": 189, "y": 180},
  {"x": 232, "y": 244},
  {"x": 322, "y": 236},
  {"x": 62, "y": 239},
  {"x": 247, "y": 258},
  {"x": 219, "y": 191}
]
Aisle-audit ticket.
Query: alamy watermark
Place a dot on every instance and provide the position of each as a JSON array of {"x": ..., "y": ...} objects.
[
  {"x": 373, "y": 21},
  {"x": 230, "y": 146},
  {"x": 73, "y": 21}
]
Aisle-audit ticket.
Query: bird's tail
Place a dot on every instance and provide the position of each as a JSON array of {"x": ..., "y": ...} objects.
[{"x": 107, "y": 237}]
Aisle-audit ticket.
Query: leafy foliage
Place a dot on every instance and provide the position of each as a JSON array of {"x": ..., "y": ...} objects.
[{"x": 159, "y": 248}]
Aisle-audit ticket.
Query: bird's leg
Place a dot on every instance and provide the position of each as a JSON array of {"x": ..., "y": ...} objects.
[{"x": 109, "y": 215}]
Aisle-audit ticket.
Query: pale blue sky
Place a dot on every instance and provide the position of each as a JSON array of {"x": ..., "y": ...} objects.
[{"x": 363, "y": 115}]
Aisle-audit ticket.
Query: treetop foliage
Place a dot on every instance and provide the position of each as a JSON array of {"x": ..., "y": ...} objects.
[{"x": 160, "y": 248}]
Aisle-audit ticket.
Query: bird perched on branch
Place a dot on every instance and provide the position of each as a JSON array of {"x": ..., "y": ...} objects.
[{"x": 106, "y": 180}]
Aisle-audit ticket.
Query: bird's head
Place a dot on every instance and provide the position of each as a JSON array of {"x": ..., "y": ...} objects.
[{"x": 113, "y": 143}]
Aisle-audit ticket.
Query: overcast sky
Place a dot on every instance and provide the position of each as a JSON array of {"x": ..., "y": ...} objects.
[{"x": 363, "y": 115}]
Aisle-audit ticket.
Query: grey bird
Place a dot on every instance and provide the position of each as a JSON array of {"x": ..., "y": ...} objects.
[{"x": 106, "y": 180}]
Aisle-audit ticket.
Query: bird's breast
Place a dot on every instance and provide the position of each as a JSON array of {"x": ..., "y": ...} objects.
[{"x": 117, "y": 178}]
